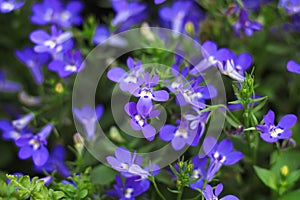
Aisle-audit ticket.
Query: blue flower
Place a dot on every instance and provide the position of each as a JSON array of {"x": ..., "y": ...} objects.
[
  {"x": 88, "y": 118},
  {"x": 8, "y": 86},
  {"x": 199, "y": 172},
  {"x": 132, "y": 188},
  {"x": 10, "y": 5},
  {"x": 102, "y": 33},
  {"x": 69, "y": 64},
  {"x": 245, "y": 24},
  {"x": 15, "y": 129},
  {"x": 291, "y": 6},
  {"x": 293, "y": 67},
  {"x": 34, "y": 146},
  {"x": 272, "y": 133},
  {"x": 34, "y": 61},
  {"x": 210, "y": 194}
]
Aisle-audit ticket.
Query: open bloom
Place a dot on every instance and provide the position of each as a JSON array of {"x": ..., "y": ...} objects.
[
  {"x": 130, "y": 164},
  {"x": 291, "y": 6},
  {"x": 139, "y": 120},
  {"x": 220, "y": 154},
  {"x": 8, "y": 86},
  {"x": 272, "y": 133},
  {"x": 34, "y": 61},
  {"x": 245, "y": 24},
  {"x": 10, "y": 5},
  {"x": 199, "y": 172},
  {"x": 132, "y": 188},
  {"x": 102, "y": 33},
  {"x": 71, "y": 63},
  {"x": 210, "y": 194},
  {"x": 13, "y": 130},
  {"x": 88, "y": 118},
  {"x": 293, "y": 67},
  {"x": 34, "y": 146}
]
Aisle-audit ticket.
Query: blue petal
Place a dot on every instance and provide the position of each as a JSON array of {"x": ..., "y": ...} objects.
[{"x": 293, "y": 67}]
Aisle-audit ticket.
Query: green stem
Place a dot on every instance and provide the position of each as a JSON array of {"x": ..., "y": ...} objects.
[
  {"x": 180, "y": 192},
  {"x": 152, "y": 179}
]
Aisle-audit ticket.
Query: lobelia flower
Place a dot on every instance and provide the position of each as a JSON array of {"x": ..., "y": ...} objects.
[
  {"x": 146, "y": 94},
  {"x": 52, "y": 11},
  {"x": 102, "y": 33},
  {"x": 291, "y": 6},
  {"x": 245, "y": 24},
  {"x": 179, "y": 135},
  {"x": 182, "y": 17},
  {"x": 209, "y": 51},
  {"x": 272, "y": 133},
  {"x": 293, "y": 67},
  {"x": 34, "y": 61},
  {"x": 132, "y": 188},
  {"x": 55, "y": 162},
  {"x": 71, "y": 63},
  {"x": 199, "y": 172},
  {"x": 130, "y": 164},
  {"x": 8, "y": 86},
  {"x": 139, "y": 119},
  {"x": 127, "y": 13},
  {"x": 210, "y": 194},
  {"x": 7, "y": 6},
  {"x": 220, "y": 154},
  {"x": 15, "y": 129},
  {"x": 127, "y": 80},
  {"x": 55, "y": 43},
  {"x": 159, "y": 1},
  {"x": 88, "y": 118},
  {"x": 232, "y": 65},
  {"x": 195, "y": 120},
  {"x": 34, "y": 146}
]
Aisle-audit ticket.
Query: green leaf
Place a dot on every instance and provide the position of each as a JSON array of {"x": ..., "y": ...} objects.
[
  {"x": 102, "y": 175},
  {"x": 267, "y": 177},
  {"x": 292, "y": 195},
  {"x": 83, "y": 193},
  {"x": 293, "y": 177}
]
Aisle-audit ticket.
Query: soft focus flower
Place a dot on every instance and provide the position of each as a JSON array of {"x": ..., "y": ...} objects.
[
  {"x": 246, "y": 25},
  {"x": 71, "y": 63},
  {"x": 179, "y": 135},
  {"x": 102, "y": 33},
  {"x": 220, "y": 154},
  {"x": 272, "y": 133},
  {"x": 291, "y": 6},
  {"x": 56, "y": 162},
  {"x": 88, "y": 118},
  {"x": 34, "y": 146},
  {"x": 13, "y": 130},
  {"x": 55, "y": 43},
  {"x": 159, "y": 1},
  {"x": 139, "y": 120},
  {"x": 210, "y": 194},
  {"x": 132, "y": 188},
  {"x": 8, "y": 86},
  {"x": 34, "y": 61},
  {"x": 53, "y": 11},
  {"x": 130, "y": 164},
  {"x": 293, "y": 67},
  {"x": 199, "y": 172},
  {"x": 10, "y": 5}
]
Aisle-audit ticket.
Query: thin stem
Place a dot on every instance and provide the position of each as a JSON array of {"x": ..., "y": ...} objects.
[
  {"x": 180, "y": 192},
  {"x": 152, "y": 179}
]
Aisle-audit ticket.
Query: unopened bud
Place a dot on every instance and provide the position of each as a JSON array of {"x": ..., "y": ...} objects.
[
  {"x": 79, "y": 142},
  {"x": 59, "y": 88},
  {"x": 284, "y": 170}
]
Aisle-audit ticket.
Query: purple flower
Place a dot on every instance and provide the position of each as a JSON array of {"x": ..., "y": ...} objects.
[
  {"x": 10, "y": 5},
  {"x": 245, "y": 24},
  {"x": 199, "y": 172},
  {"x": 34, "y": 61},
  {"x": 271, "y": 133},
  {"x": 146, "y": 93},
  {"x": 8, "y": 86},
  {"x": 210, "y": 194},
  {"x": 55, "y": 43},
  {"x": 232, "y": 65},
  {"x": 291, "y": 6},
  {"x": 55, "y": 162},
  {"x": 34, "y": 146},
  {"x": 88, "y": 117},
  {"x": 179, "y": 135},
  {"x": 127, "y": 80},
  {"x": 132, "y": 188},
  {"x": 139, "y": 120},
  {"x": 102, "y": 33},
  {"x": 52, "y": 11},
  {"x": 181, "y": 16},
  {"x": 209, "y": 51},
  {"x": 126, "y": 163},
  {"x": 293, "y": 67},
  {"x": 71, "y": 63},
  {"x": 199, "y": 118},
  {"x": 15, "y": 129},
  {"x": 159, "y": 1},
  {"x": 239, "y": 106},
  {"x": 220, "y": 154}
]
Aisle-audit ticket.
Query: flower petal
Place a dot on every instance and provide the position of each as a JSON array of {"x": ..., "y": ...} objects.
[
  {"x": 167, "y": 132},
  {"x": 287, "y": 121},
  {"x": 40, "y": 156}
]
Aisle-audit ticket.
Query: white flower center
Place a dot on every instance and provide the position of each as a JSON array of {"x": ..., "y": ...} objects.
[
  {"x": 140, "y": 120},
  {"x": 35, "y": 144},
  {"x": 65, "y": 15},
  {"x": 196, "y": 174},
  {"x": 130, "y": 79},
  {"x": 50, "y": 43},
  {"x": 181, "y": 133},
  {"x": 124, "y": 166},
  {"x": 71, "y": 68},
  {"x": 219, "y": 157},
  {"x": 128, "y": 193},
  {"x": 7, "y": 6},
  {"x": 275, "y": 131},
  {"x": 146, "y": 93}
]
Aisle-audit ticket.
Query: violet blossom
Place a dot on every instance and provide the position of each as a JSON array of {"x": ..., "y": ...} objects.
[
  {"x": 210, "y": 194},
  {"x": 7, "y": 6},
  {"x": 8, "y": 86}
]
